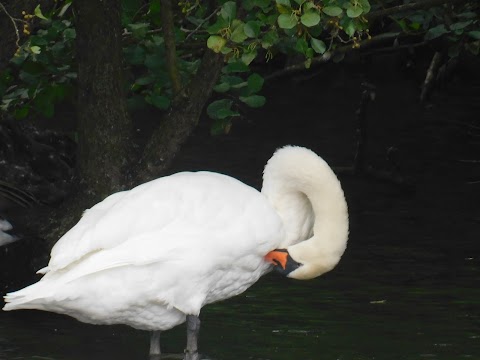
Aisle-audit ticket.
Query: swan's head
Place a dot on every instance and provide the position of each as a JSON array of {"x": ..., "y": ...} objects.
[{"x": 305, "y": 268}]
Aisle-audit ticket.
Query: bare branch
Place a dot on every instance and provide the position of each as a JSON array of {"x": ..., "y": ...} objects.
[
  {"x": 412, "y": 6},
  {"x": 431, "y": 75},
  {"x": 13, "y": 20},
  {"x": 330, "y": 54},
  {"x": 201, "y": 24}
]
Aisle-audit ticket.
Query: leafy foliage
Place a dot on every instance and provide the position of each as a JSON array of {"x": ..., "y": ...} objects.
[
  {"x": 44, "y": 69},
  {"x": 246, "y": 32}
]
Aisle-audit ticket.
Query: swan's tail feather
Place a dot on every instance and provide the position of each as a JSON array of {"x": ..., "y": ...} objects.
[{"x": 31, "y": 297}]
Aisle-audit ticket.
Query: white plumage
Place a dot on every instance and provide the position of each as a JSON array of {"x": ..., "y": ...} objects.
[
  {"x": 150, "y": 256},
  {"x": 171, "y": 246}
]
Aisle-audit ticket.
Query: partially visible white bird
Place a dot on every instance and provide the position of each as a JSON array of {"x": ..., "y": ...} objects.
[
  {"x": 6, "y": 238},
  {"x": 153, "y": 256}
]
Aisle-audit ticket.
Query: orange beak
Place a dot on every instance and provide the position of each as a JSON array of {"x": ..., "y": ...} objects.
[{"x": 278, "y": 257}]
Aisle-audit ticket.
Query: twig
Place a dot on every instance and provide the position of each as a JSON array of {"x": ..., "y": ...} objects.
[
  {"x": 430, "y": 77},
  {"x": 201, "y": 24},
  {"x": 13, "y": 20}
]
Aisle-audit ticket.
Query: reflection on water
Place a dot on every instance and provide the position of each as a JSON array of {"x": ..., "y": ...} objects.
[{"x": 358, "y": 312}]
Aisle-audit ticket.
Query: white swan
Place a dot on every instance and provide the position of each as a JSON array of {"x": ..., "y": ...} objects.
[{"x": 151, "y": 257}]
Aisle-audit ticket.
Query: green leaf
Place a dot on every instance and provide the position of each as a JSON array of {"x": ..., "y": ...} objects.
[
  {"x": 64, "y": 9},
  {"x": 354, "y": 11},
  {"x": 248, "y": 57},
  {"x": 221, "y": 109},
  {"x": 301, "y": 46},
  {"x": 235, "y": 67},
  {"x": 365, "y": 5},
  {"x": 349, "y": 28},
  {"x": 218, "y": 26},
  {"x": 460, "y": 25},
  {"x": 254, "y": 101},
  {"x": 332, "y": 10},
  {"x": 159, "y": 101},
  {"x": 139, "y": 30},
  {"x": 284, "y": 6},
  {"x": 232, "y": 80},
  {"x": 38, "y": 13},
  {"x": 222, "y": 87},
  {"x": 229, "y": 11},
  {"x": 474, "y": 34},
  {"x": 255, "y": 83},
  {"x": 435, "y": 32},
  {"x": 238, "y": 34},
  {"x": 69, "y": 34},
  {"x": 287, "y": 21},
  {"x": 135, "y": 55},
  {"x": 36, "y": 49},
  {"x": 318, "y": 46},
  {"x": 216, "y": 43},
  {"x": 252, "y": 29},
  {"x": 310, "y": 19},
  {"x": 269, "y": 39}
]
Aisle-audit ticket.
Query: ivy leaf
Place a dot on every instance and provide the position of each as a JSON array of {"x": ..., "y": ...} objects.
[
  {"x": 287, "y": 21},
  {"x": 216, "y": 43},
  {"x": 310, "y": 19},
  {"x": 332, "y": 10},
  {"x": 318, "y": 46},
  {"x": 254, "y": 101}
]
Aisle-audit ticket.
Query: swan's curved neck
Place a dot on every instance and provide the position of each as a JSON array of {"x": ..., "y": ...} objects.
[{"x": 309, "y": 198}]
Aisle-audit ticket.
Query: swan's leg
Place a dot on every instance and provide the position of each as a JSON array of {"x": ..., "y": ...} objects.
[
  {"x": 193, "y": 329},
  {"x": 155, "y": 345}
]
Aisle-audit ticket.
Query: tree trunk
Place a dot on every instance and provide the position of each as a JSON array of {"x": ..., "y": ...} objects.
[
  {"x": 103, "y": 122},
  {"x": 181, "y": 120}
]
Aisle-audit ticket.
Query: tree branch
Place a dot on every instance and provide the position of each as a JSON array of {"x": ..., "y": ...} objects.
[
  {"x": 181, "y": 120},
  {"x": 408, "y": 7},
  {"x": 298, "y": 67}
]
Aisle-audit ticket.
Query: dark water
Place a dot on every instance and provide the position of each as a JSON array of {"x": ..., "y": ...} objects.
[
  {"x": 407, "y": 287},
  {"x": 393, "y": 308}
]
